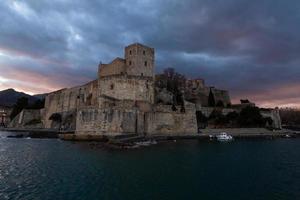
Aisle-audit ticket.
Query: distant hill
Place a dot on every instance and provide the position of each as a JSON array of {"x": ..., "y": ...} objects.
[
  {"x": 10, "y": 96},
  {"x": 40, "y": 96}
]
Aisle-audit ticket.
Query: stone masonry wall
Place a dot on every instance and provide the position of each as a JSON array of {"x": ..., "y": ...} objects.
[
  {"x": 117, "y": 66},
  {"x": 139, "y": 60},
  {"x": 125, "y": 87},
  {"x": 105, "y": 121},
  {"x": 221, "y": 95},
  {"x": 156, "y": 121},
  {"x": 275, "y": 116},
  {"x": 66, "y": 100}
]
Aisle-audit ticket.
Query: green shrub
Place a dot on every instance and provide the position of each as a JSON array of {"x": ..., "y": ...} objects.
[{"x": 33, "y": 122}]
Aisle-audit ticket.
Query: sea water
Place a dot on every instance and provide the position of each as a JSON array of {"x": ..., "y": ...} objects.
[{"x": 244, "y": 169}]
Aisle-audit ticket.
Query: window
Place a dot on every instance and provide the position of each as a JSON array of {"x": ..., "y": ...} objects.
[
  {"x": 142, "y": 74},
  {"x": 130, "y": 52},
  {"x": 144, "y": 52},
  {"x": 112, "y": 86},
  {"x": 130, "y": 62},
  {"x": 145, "y": 63}
]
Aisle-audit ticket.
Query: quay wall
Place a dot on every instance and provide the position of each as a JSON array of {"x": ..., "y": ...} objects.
[{"x": 117, "y": 121}]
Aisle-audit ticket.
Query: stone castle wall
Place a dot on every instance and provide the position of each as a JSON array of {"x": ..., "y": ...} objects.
[
  {"x": 158, "y": 120},
  {"x": 274, "y": 115},
  {"x": 139, "y": 60},
  {"x": 117, "y": 66},
  {"x": 221, "y": 95},
  {"x": 198, "y": 93},
  {"x": 164, "y": 121},
  {"x": 105, "y": 121},
  {"x": 66, "y": 100},
  {"x": 123, "y": 87}
]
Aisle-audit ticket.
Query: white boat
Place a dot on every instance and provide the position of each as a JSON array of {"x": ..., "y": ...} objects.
[
  {"x": 224, "y": 137},
  {"x": 146, "y": 143}
]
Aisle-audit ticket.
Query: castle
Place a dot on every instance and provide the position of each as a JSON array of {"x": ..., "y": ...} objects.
[
  {"x": 120, "y": 101},
  {"x": 124, "y": 100}
]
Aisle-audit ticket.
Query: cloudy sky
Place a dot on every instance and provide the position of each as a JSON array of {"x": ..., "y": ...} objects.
[{"x": 251, "y": 48}]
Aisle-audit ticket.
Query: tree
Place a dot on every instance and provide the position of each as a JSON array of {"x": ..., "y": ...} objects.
[
  {"x": 173, "y": 82},
  {"x": 232, "y": 116},
  {"x": 251, "y": 117},
  {"x": 220, "y": 104},
  {"x": 201, "y": 119},
  {"x": 217, "y": 118},
  {"x": 18, "y": 107},
  {"x": 38, "y": 104},
  {"x": 211, "y": 99}
]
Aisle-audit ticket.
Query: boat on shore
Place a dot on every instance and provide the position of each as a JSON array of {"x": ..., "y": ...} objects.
[
  {"x": 224, "y": 137},
  {"x": 146, "y": 143}
]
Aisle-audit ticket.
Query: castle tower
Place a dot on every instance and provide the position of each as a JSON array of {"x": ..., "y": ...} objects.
[
  {"x": 131, "y": 78},
  {"x": 139, "y": 60}
]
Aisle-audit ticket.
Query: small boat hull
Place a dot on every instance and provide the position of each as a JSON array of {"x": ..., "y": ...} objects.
[{"x": 224, "y": 137}]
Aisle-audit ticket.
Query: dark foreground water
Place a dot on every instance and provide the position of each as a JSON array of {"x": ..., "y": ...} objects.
[{"x": 53, "y": 169}]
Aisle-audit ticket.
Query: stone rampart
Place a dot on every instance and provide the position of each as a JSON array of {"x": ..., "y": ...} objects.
[
  {"x": 221, "y": 96},
  {"x": 66, "y": 100},
  {"x": 274, "y": 115},
  {"x": 117, "y": 66},
  {"x": 156, "y": 121},
  {"x": 126, "y": 88}
]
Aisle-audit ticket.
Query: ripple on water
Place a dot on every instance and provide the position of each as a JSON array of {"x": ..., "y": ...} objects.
[{"x": 52, "y": 169}]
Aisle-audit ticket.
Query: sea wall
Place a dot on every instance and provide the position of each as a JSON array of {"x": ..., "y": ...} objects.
[
  {"x": 105, "y": 121},
  {"x": 167, "y": 123},
  {"x": 159, "y": 120}
]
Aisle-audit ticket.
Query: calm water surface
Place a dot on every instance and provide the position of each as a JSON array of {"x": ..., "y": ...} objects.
[{"x": 245, "y": 169}]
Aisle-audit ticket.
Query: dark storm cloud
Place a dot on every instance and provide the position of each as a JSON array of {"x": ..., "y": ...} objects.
[{"x": 249, "y": 47}]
